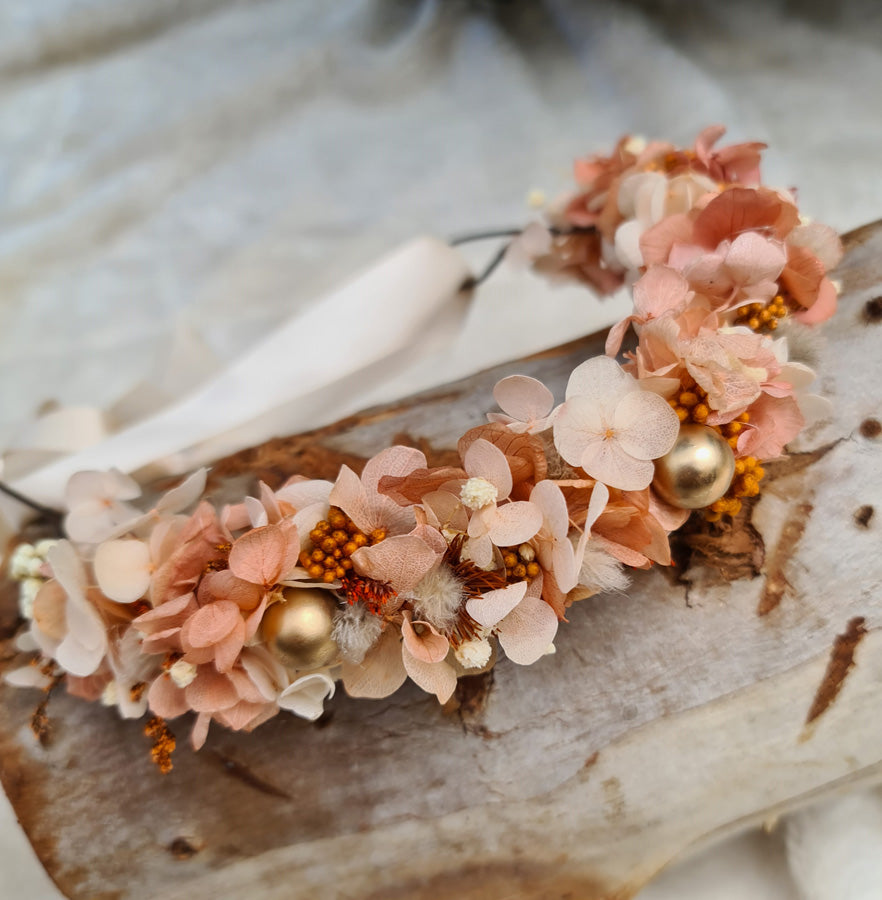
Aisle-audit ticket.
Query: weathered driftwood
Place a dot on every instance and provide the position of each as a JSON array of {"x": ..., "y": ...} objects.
[{"x": 720, "y": 693}]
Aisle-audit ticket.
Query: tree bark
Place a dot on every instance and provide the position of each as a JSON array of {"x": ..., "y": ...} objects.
[{"x": 722, "y": 692}]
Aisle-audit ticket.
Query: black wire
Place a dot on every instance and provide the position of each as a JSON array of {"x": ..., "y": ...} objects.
[{"x": 45, "y": 511}]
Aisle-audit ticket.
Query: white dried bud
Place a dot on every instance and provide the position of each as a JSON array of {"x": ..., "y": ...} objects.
[
  {"x": 22, "y": 560},
  {"x": 27, "y": 593},
  {"x": 182, "y": 673},
  {"x": 110, "y": 695},
  {"x": 473, "y": 654},
  {"x": 477, "y": 493}
]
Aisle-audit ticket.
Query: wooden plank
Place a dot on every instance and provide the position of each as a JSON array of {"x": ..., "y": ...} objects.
[{"x": 667, "y": 717}]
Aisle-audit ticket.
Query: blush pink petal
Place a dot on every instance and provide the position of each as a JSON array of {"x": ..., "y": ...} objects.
[
  {"x": 490, "y": 608},
  {"x": 599, "y": 379},
  {"x": 123, "y": 569},
  {"x": 400, "y": 560},
  {"x": 304, "y": 492},
  {"x": 199, "y": 734},
  {"x": 349, "y": 495},
  {"x": 211, "y": 691},
  {"x": 514, "y": 523},
  {"x": 486, "y": 460},
  {"x": 528, "y": 631},
  {"x": 430, "y": 646},
  {"x": 659, "y": 291},
  {"x": 753, "y": 258},
  {"x": 823, "y": 307},
  {"x": 382, "y": 671},
  {"x": 224, "y": 585},
  {"x": 657, "y": 242},
  {"x": 166, "y": 699},
  {"x": 606, "y": 461},
  {"x": 578, "y": 421},
  {"x": 211, "y": 624},
  {"x": 434, "y": 678},
  {"x": 525, "y": 399},
  {"x": 227, "y": 651},
  {"x": 264, "y": 556},
  {"x": 645, "y": 425}
]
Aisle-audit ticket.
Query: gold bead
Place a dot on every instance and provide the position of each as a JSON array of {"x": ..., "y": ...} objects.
[
  {"x": 298, "y": 629},
  {"x": 698, "y": 469}
]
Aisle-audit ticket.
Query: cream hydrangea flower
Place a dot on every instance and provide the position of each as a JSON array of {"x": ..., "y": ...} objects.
[{"x": 611, "y": 427}]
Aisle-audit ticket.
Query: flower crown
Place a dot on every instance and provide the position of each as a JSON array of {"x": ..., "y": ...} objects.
[{"x": 428, "y": 573}]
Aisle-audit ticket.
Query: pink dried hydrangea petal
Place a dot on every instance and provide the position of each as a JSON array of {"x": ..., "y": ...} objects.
[
  {"x": 430, "y": 646},
  {"x": 606, "y": 461},
  {"x": 349, "y": 495},
  {"x": 752, "y": 258},
  {"x": 210, "y": 691},
  {"x": 184, "y": 495},
  {"x": 599, "y": 379},
  {"x": 549, "y": 498},
  {"x": 514, "y": 523},
  {"x": 528, "y": 631},
  {"x": 436, "y": 678},
  {"x": 524, "y": 398},
  {"x": 491, "y": 607},
  {"x": 381, "y": 672},
  {"x": 224, "y": 585},
  {"x": 659, "y": 291},
  {"x": 579, "y": 421},
  {"x": 400, "y": 560},
  {"x": 487, "y": 461},
  {"x": 211, "y": 624},
  {"x": 395, "y": 461},
  {"x": 645, "y": 425},
  {"x": 263, "y": 556},
  {"x": 166, "y": 699},
  {"x": 123, "y": 569}
]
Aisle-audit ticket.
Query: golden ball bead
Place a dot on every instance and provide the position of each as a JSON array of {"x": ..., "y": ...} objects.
[
  {"x": 298, "y": 630},
  {"x": 698, "y": 469}
]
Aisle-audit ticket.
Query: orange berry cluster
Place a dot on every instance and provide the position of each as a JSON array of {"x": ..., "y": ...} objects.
[
  {"x": 334, "y": 540},
  {"x": 691, "y": 406},
  {"x": 520, "y": 563},
  {"x": 746, "y": 483},
  {"x": 762, "y": 317},
  {"x": 163, "y": 743}
]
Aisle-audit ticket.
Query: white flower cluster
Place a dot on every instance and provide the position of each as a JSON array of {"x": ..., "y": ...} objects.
[{"x": 27, "y": 565}]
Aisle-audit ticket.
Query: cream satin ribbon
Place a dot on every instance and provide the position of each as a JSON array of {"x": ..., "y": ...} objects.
[{"x": 387, "y": 310}]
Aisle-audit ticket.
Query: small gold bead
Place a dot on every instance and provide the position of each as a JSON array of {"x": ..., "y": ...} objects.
[
  {"x": 349, "y": 548},
  {"x": 359, "y": 539},
  {"x": 765, "y": 315},
  {"x": 700, "y": 412},
  {"x": 317, "y": 556},
  {"x": 753, "y": 323},
  {"x": 316, "y": 571},
  {"x": 340, "y": 537},
  {"x": 346, "y": 564},
  {"x": 759, "y": 472},
  {"x": 316, "y": 535},
  {"x": 688, "y": 398},
  {"x": 329, "y": 576},
  {"x": 510, "y": 560},
  {"x": 328, "y": 545},
  {"x": 739, "y": 467},
  {"x": 733, "y": 427},
  {"x": 519, "y": 571},
  {"x": 377, "y": 535},
  {"x": 533, "y": 569},
  {"x": 329, "y": 562}
]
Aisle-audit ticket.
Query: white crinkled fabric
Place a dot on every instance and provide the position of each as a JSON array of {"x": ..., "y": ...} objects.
[{"x": 177, "y": 179}]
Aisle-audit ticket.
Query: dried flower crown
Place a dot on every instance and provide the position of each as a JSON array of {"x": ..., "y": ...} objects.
[{"x": 408, "y": 571}]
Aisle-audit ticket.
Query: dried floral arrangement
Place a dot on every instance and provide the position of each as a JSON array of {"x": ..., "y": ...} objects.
[{"x": 407, "y": 571}]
